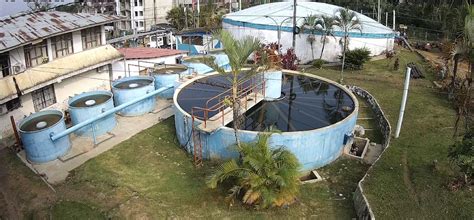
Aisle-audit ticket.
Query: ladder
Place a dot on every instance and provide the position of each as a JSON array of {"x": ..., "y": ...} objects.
[{"x": 197, "y": 146}]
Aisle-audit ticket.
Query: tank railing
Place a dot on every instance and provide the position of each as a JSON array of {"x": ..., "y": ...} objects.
[
  {"x": 74, "y": 128},
  {"x": 255, "y": 87}
]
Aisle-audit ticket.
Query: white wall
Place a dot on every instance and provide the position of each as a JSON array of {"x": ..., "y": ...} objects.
[
  {"x": 17, "y": 56},
  {"x": 76, "y": 41},
  {"x": 303, "y": 49},
  {"x": 120, "y": 68}
]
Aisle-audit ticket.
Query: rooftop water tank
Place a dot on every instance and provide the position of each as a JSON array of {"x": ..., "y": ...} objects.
[
  {"x": 130, "y": 88},
  {"x": 35, "y": 132},
  {"x": 88, "y": 104},
  {"x": 166, "y": 75}
]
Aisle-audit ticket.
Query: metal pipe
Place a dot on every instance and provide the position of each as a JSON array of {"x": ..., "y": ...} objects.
[
  {"x": 74, "y": 128},
  {"x": 404, "y": 101}
]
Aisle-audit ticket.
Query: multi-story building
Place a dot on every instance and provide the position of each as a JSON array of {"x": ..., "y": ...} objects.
[
  {"x": 142, "y": 15},
  {"x": 46, "y": 57},
  {"x": 110, "y": 7}
]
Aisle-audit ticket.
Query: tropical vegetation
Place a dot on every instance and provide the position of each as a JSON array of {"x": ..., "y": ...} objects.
[
  {"x": 356, "y": 58},
  {"x": 262, "y": 177}
]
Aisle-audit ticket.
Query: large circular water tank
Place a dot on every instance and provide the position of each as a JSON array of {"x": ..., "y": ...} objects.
[
  {"x": 85, "y": 105},
  {"x": 166, "y": 76},
  {"x": 131, "y": 88},
  {"x": 35, "y": 131}
]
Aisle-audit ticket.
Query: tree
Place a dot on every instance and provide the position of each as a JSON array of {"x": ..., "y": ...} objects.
[
  {"x": 263, "y": 177},
  {"x": 238, "y": 51},
  {"x": 38, "y": 5},
  {"x": 347, "y": 21},
  {"x": 210, "y": 17},
  {"x": 326, "y": 29},
  {"x": 309, "y": 25},
  {"x": 462, "y": 155},
  {"x": 179, "y": 19}
]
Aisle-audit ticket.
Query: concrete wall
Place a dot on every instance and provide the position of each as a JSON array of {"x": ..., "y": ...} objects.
[
  {"x": 313, "y": 148},
  {"x": 361, "y": 204},
  {"x": 303, "y": 49},
  {"x": 120, "y": 68}
]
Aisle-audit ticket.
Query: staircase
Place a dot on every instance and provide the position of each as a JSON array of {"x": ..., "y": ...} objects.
[{"x": 215, "y": 116}]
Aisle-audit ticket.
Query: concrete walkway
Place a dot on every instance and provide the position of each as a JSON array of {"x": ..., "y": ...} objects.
[{"x": 83, "y": 148}]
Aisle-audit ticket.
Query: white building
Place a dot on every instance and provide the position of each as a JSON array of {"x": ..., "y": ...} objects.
[
  {"x": 142, "y": 15},
  {"x": 267, "y": 20},
  {"x": 138, "y": 59},
  {"x": 47, "y": 57}
]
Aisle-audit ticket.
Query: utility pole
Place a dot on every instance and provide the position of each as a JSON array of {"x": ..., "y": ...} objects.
[
  {"x": 294, "y": 24},
  {"x": 378, "y": 11},
  {"x": 185, "y": 18},
  {"x": 386, "y": 18},
  {"x": 240, "y": 5},
  {"x": 404, "y": 101}
]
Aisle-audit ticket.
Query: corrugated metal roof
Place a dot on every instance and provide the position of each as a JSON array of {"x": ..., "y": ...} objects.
[
  {"x": 147, "y": 52},
  {"x": 16, "y": 31},
  {"x": 64, "y": 67}
]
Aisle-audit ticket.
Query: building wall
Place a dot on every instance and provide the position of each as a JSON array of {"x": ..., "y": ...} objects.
[
  {"x": 303, "y": 50},
  {"x": 120, "y": 68}
]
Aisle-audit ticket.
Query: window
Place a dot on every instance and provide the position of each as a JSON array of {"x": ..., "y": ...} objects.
[
  {"x": 195, "y": 40},
  {"x": 141, "y": 13},
  {"x": 5, "y": 64},
  {"x": 141, "y": 23},
  {"x": 136, "y": 3},
  {"x": 43, "y": 97},
  {"x": 61, "y": 45},
  {"x": 13, "y": 104},
  {"x": 136, "y": 14},
  {"x": 91, "y": 37},
  {"x": 36, "y": 54},
  {"x": 136, "y": 24}
]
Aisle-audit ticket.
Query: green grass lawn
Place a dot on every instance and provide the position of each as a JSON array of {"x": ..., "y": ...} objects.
[{"x": 404, "y": 183}]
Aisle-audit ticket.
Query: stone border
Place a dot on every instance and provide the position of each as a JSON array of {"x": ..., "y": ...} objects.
[{"x": 361, "y": 204}]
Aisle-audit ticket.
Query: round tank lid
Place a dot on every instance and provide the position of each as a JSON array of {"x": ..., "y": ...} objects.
[
  {"x": 346, "y": 108},
  {"x": 41, "y": 124},
  {"x": 133, "y": 85},
  {"x": 90, "y": 102}
]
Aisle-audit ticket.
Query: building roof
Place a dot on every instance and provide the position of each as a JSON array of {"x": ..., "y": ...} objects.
[
  {"x": 24, "y": 29},
  {"x": 270, "y": 16},
  {"x": 148, "y": 52},
  {"x": 56, "y": 70}
]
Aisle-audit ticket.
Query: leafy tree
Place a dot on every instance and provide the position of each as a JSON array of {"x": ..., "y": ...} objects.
[
  {"x": 263, "y": 177},
  {"x": 462, "y": 154},
  {"x": 210, "y": 17},
  {"x": 347, "y": 21},
  {"x": 238, "y": 51},
  {"x": 178, "y": 18}
]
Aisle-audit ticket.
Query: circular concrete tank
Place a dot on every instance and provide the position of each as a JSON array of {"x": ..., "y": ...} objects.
[
  {"x": 85, "y": 105},
  {"x": 131, "y": 88},
  {"x": 313, "y": 115},
  {"x": 35, "y": 131},
  {"x": 166, "y": 76}
]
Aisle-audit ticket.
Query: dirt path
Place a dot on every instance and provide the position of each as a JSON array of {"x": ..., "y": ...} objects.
[{"x": 437, "y": 59}]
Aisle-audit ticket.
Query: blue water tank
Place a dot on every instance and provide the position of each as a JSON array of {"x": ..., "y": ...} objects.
[
  {"x": 85, "y": 105},
  {"x": 166, "y": 76},
  {"x": 35, "y": 131},
  {"x": 130, "y": 88}
]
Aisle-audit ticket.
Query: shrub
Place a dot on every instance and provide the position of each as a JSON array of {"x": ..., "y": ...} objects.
[
  {"x": 263, "y": 177},
  {"x": 462, "y": 155},
  {"x": 289, "y": 60},
  {"x": 318, "y": 63},
  {"x": 356, "y": 58}
]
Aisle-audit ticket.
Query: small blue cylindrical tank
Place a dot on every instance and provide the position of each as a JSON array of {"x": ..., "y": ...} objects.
[
  {"x": 166, "y": 76},
  {"x": 88, "y": 104},
  {"x": 130, "y": 88},
  {"x": 273, "y": 82},
  {"x": 35, "y": 131}
]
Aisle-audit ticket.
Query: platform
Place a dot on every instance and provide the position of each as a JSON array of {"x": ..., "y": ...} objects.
[{"x": 84, "y": 149}]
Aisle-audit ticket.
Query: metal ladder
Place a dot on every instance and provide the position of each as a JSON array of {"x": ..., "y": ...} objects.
[{"x": 197, "y": 145}]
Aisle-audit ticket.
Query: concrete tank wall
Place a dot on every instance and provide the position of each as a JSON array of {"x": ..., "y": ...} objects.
[
  {"x": 122, "y": 96},
  {"x": 38, "y": 145},
  {"x": 80, "y": 114},
  {"x": 313, "y": 148}
]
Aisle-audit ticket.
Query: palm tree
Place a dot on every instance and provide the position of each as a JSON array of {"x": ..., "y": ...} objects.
[
  {"x": 326, "y": 29},
  {"x": 178, "y": 18},
  {"x": 347, "y": 21},
  {"x": 238, "y": 51},
  {"x": 265, "y": 177},
  {"x": 309, "y": 25}
]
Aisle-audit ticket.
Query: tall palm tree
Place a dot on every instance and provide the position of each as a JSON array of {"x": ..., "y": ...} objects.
[
  {"x": 347, "y": 21},
  {"x": 326, "y": 28},
  {"x": 264, "y": 177},
  {"x": 309, "y": 26},
  {"x": 238, "y": 51}
]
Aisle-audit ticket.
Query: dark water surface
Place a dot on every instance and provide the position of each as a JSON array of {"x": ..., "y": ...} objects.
[
  {"x": 140, "y": 83},
  {"x": 305, "y": 103},
  {"x": 98, "y": 99},
  {"x": 50, "y": 120}
]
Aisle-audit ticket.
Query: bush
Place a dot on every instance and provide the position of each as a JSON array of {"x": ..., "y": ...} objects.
[
  {"x": 262, "y": 177},
  {"x": 462, "y": 155},
  {"x": 318, "y": 63},
  {"x": 356, "y": 58},
  {"x": 289, "y": 60}
]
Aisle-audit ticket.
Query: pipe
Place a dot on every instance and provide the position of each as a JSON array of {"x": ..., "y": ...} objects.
[
  {"x": 74, "y": 128},
  {"x": 404, "y": 101}
]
